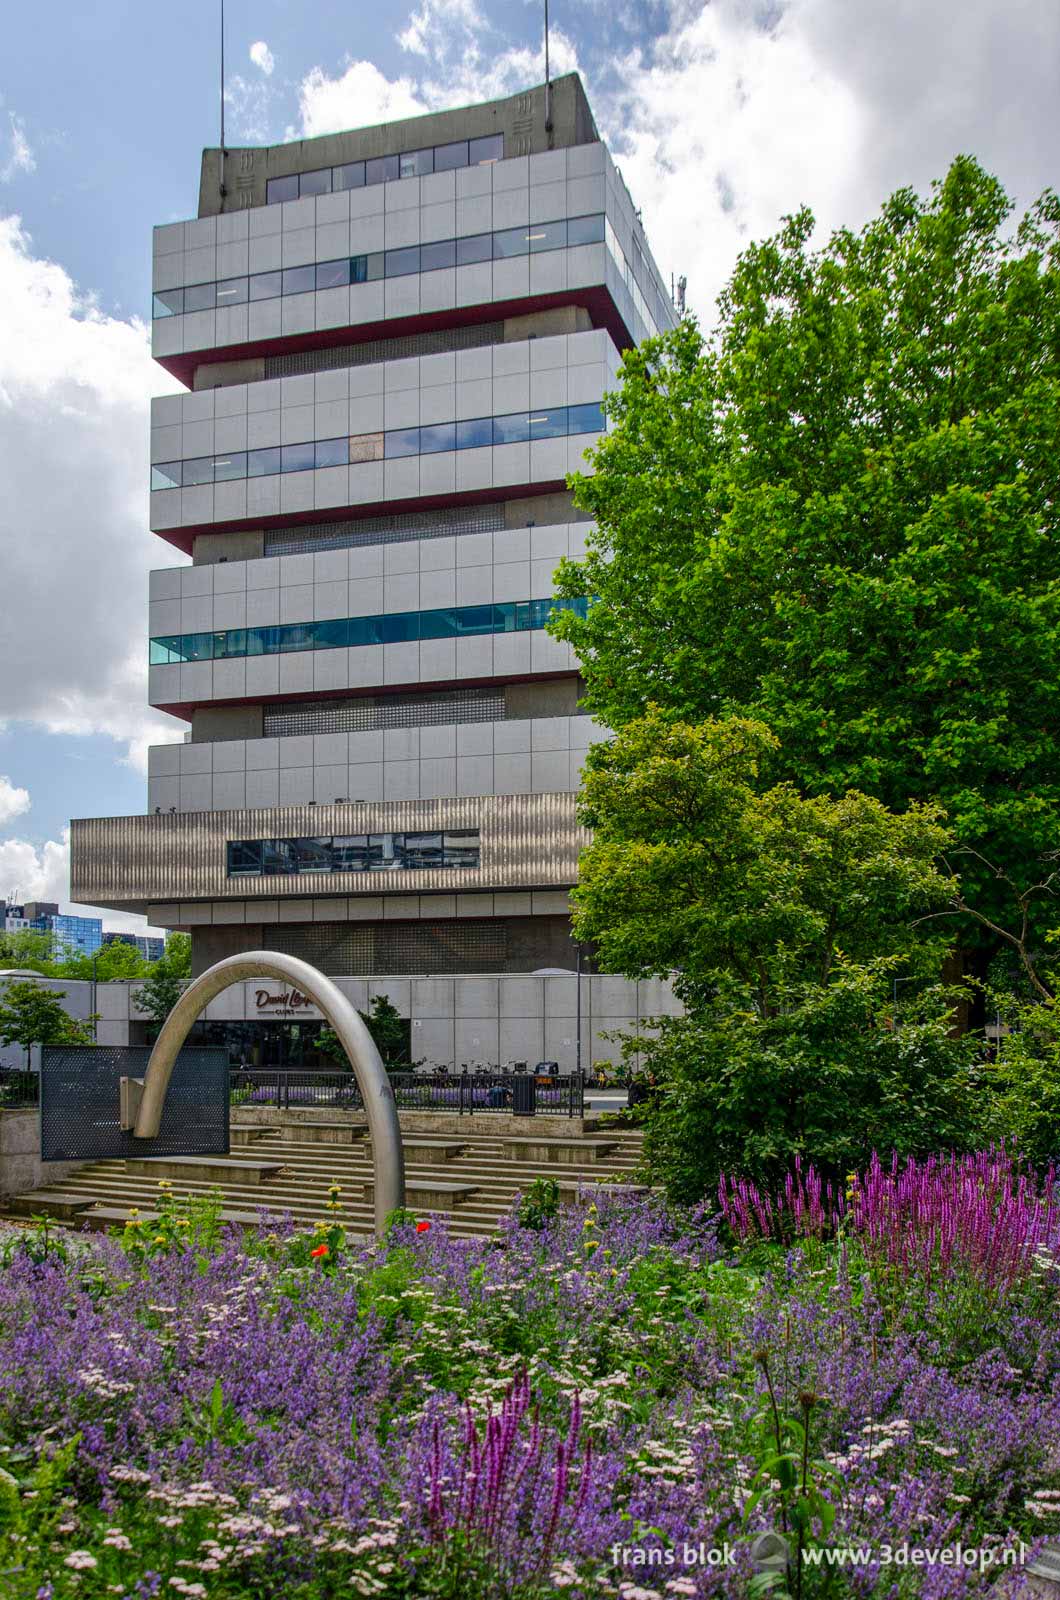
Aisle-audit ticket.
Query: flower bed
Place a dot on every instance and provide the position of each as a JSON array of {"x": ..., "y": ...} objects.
[{"x": 615, "y": 1403}]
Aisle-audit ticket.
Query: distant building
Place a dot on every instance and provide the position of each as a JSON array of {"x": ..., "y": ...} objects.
[
  {"x": 149, "y": 949},
  {"x": 72, "y": 936}
]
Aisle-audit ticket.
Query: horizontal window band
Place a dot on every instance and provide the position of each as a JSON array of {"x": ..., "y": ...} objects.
[
  {"x": 475, "y": 433},
  {"x": 532, "y": 239},
  {"x": 386, "y": 169},
  {"x": 339, "y": 633},
  {"x": 356, "y": 852}
]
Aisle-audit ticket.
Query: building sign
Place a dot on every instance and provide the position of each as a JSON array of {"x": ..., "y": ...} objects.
[{"x": 292, "y": 1000}]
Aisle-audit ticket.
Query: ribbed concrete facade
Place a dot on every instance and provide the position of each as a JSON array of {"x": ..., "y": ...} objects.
[{"x": 395, "y": 343}]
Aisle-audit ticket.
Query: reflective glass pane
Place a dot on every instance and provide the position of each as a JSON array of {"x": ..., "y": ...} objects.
[
  {"x": 422, "y": 850},
  {"x": 244, "y": 858},
  {"x": 506, "y": 616},
  {"x": 382, "y": 170},
  {"x": 200, "y": 297},
  {"x": 299, "y": 280},
  {"x": 550, "y": 424},
  {"x": 476, "y": 247},
  {"x": 334, "y": 634},
  {"x": 400, "y": 262},
  {"x": 197, "y": 646},
  {"x": 359, "y": 269},
  {"x": 166, "y": 474},
  {"x": 400, "y": 627},
  {"x": 297, "y": 636},
  {"x": 263, "y": 641},
  {"x": 546, "y": 236},
  {"x": 440, "y": 436},
  {"x": 474, "y": 433},
  {"x": 333, "y": 274},
  {"x": 513, "y": 429},
  {"x": 366, "y": 447},
  {"x": 440, "y": 623},
  {"x": 168, "y": 303},
  {"x": 260, "y": 463},
  {"x": 585, "y": 230},
  {"x": 331, "y": 453},
  {"x": 511, "y": 242},
  {"x": 231, "y": 643},
  {"x": 351, "y": 176},
  {"x": 266, "y": 285},
  {"x": 349, "y": 852},
  {"x": 461, "y": 848},
  {"x": 164, "y": 651},
  {"x": 489, "y": 149},
  {"x": 403, "y": 442},
  {"x": 229, "y": 467},
  {"x": 415, "y": 163},
  {"x": 232, "y": 291},
  {"x": 375, "y": 266},
  {"x": 585, "y": 419},
  {"x": 441, "y": 254},
  {"x": 198, "y": 471},
  {"x": 381, "y": 852},
  {"x": 318, "y": 182},
  {"x": 474, "y": 619},
  {"x": 449, "y": 156},
  {"x": 277, "y": 857},
  {"x": 297, "y": 457},
  {"x": 278, "y": 189},
  {"x": 312, "y": 855}
]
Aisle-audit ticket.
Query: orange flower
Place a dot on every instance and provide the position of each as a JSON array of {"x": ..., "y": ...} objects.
[
  {"x": 423, "y": 1227},
  {"x": 321, "y": 1250}
]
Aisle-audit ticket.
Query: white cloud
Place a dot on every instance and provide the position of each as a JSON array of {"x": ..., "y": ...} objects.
[
  {"x": 21, "y": 157},
  {"x": 29, "y": 872},
  {"x": 358, "y": 97},
  {"x": 74, "y": 417},
  {"x": 262, "y": 57},
  {"x": 13, "y": 801}
]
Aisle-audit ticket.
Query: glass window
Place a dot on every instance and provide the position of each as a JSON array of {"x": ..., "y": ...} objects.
[
  {"x": 297, "y": 636},
  {"x": 299, "y": 280},
  {"x": 167, "y": 303},
  {"x": 440, "y": 436},
  {"x": 200, "y": 297},
  {"x": 490, "y": 148},
  {"x": 474, "y": 619},
  {"x": 164, "y": 651},
  {"x": 166, "y": 474},
  {"x": 506, "y": 617},
  {"x": 318, "y": 182},
  {"x": 513, "y": 429},
  {"x": 585, "y": 230},
  {"x": 476, "y": 247},
  {"x": 415, "y": 163},
  {"x": 399, "y": 262},
  {"x": 460, "y": 848},
  {"x": 312, "y": 855},
  {"x": 381, "y": 852},
  {"x": 278, "y": 189},
  {"x": 441, "y": 254},
  {"x": 266, "y": 285},
  {"x": 332, "y": 453},
  {"x": 244, "y": 858},
  {"x": 350, "y": 176},
  {"x": 546, "y": 236},
  {"x": 334, "y": 634},
  {"x": 366, "y": 447},
  {"x": 421, "y": 850},
  {"x": 399, "y": 627},
  {"x": 472, "y": 434},
  {"x": 197, "y": 646},
  {"x": 403, "y": 442},
  {"x": 585, "y": 419},
  {"x": 261, "y": 463},
  {"x": 333, "y": 274},
  {"x": 227, "y": 468},
  {"x": 277, "y": 857},
  {"x": 511, "y": 242},
  {"x": 232, "y": 291},
  {"x": 449, "y": 156},
  {"x": 263, "y": 641},
  {"x": 359, "y": 269},
  {"x": 375, "y": 266},
  {"x": 440, "y": 623},
  {"x": 551, "y": 424},
  {"x": 232, "y": 642},
  {"x": 297, "y": 457},
  {"x": 198, "y": 471},
  {"x": 384, "y": 169},
  {"x": 349, "y": 852}
]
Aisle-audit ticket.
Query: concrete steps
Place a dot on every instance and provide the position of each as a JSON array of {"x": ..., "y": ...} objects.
[{"x": 469, "y": 1177}]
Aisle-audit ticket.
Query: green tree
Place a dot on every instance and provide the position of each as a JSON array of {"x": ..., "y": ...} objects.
[
  {"x": 111, "y": 962},
  {"x": 388, "y": 1028},
  {"x": 22, "y": 948},
  {"x": 166, "y": 979},
  {"x": 783, "y": 921},
  {"x": 30, "y": 1014},
  {"x": 838, "y": 514}
]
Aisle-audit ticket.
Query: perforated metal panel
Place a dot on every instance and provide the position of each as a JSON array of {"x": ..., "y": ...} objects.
[
  {"x": 437, "y": 342},
  {"x": 352, "y": 532},
  {"x": 407, "y": 947},
  {"x": 391, "y": 711},
  {"x": 79, "y": 1088}
]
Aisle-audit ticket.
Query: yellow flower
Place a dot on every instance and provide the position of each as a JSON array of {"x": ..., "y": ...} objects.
[
  {"x": 159, "y": 1238},
  {"x": 592, "y": 1244}
]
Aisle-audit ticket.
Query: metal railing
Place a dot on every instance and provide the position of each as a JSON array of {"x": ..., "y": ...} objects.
[
  {"x": 19, "y": 1089},
  {"x": 463, "y": 1092}
]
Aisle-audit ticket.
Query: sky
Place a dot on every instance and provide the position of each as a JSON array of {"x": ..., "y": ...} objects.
[{"x": 722, "y": 116}]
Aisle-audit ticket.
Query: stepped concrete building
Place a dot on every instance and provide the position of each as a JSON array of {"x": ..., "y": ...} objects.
[{"x": 394, "y": 343}]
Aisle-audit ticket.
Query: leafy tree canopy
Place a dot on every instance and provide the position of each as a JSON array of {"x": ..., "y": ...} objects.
[
  {"x": 166, "y": 978},
  {"x": 31, "y": 1014},
  {"x": 839, "y": 516}
]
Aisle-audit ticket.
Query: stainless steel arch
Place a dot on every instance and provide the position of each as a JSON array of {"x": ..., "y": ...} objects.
[{"x": 142, "y": 1102}]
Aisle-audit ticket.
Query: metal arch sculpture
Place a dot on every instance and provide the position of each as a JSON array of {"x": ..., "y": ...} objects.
[{"x": 143, "y": 1099}]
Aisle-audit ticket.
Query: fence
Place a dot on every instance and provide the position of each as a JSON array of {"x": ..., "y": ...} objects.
[
  {"x": 464, "y": 1093},
  {"x": 19, "y": 1089}
]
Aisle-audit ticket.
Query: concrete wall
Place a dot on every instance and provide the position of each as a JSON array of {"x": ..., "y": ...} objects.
[{"x": 21, "y": 1167}]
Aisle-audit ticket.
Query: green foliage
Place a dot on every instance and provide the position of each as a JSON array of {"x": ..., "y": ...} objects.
[
  {"x": 1023, "y": 1103},
  {"x": 110, "y": 962},
  {"x": 30, "y": 1014},
  {"x": 838, "y": 515},
  {"x": 166, "y": 979},
  {"x": 388, "y": 1028},
  {"x": 539, "y": 1205},
  {"x": 185, "y": 1224},
  {"x": 23, "y": 949}
]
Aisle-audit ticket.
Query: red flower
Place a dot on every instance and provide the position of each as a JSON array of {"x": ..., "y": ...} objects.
[
  {"x": 321, "y": 1250},
  {"x": 423, "y": 1227}
]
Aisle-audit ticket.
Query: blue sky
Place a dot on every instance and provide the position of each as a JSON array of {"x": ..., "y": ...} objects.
[{"x": 722, "y": 117}]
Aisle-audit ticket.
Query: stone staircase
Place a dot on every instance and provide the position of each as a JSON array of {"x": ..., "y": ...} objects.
[{"x": 469, "y": 1175}]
